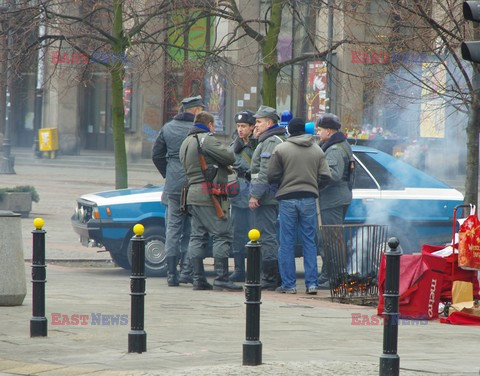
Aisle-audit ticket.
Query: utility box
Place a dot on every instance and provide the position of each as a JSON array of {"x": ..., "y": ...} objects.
[{"x": 48, "y": 139}]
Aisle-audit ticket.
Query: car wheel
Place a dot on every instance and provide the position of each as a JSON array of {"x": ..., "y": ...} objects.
[
  {"x": 120, "y": 259},
  {"x": 155, "y": 255}
]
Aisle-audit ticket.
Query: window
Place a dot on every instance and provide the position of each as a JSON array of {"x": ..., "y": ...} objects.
[
  {"x": 384, "y": 178},
  {"x": 362, "y": 179}
]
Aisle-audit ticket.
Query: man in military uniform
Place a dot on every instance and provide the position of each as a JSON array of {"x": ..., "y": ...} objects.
[
  {"x": 336, "y": 196},
  {"x": 262, "y": 195},
  {"x": 208, "y": 219},
  {"x": 243, "y": 147},
  {"x": 166, "y": 158}
]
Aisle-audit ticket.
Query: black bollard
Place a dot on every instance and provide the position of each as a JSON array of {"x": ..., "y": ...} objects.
[
  {"x": 389, "y": 360},
  {"x": 137, "y": 337},
  {"x": 38, "y": 323},
  {"x": 252, "y": 347}
]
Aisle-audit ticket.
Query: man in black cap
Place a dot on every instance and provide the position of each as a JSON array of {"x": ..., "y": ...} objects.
[
  {"x": 262, "y": 196},
  {"x": 336, "y": 197},
  {"x": 243, "y": 147},
  {"x": 165, "y": 156},
  {"x": 300, "y": 168}
]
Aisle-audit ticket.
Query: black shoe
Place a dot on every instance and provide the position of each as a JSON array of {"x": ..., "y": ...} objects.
[
  {"x": 222, "y": 282},
  {"x": 202, "y": 285}
]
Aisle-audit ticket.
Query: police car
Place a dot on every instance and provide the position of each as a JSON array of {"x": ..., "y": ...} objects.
[{"x": 417, "y": 207}]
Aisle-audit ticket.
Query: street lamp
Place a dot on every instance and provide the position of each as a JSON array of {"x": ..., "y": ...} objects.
[{"x": 7, "y": 161}]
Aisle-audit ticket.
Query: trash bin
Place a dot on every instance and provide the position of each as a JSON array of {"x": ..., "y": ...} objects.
[
  {"x": 13, "y": 285},
  {"x": 352, "y": 257}
]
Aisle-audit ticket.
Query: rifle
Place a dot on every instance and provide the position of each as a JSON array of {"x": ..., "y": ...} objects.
[{"x": 204, "y": 167}]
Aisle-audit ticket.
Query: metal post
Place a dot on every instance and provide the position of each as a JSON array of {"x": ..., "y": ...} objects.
[
  {"x": 38, "y": 105},
  {"x": 328, "y": 100},
  {"x": 38, "y": 323},
  {"x": 7, "y": 162},
  {"x": 137, "y": 337},
  {"x": 252, "y": 347},
  {"x": 389, "y": 360}
]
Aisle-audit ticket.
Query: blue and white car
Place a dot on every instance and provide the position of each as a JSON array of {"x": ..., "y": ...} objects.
[{"x": 417, "y": 207}]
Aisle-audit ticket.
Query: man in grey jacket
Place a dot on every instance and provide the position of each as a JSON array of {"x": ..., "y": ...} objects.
[
  {"x": 165, "y": 156},
  {"x": 300, "y": 168},
  {"x": 202, "y": 193},
  {"x": 262, "y": 195},
  {"x": 336, "y": 197}
]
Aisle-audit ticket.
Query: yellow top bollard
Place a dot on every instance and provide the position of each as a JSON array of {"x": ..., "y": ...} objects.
[
  {"x": 254, "y": 234},
  {"x": 38, "y": 223},
  {"x": 138, "y": 229}
]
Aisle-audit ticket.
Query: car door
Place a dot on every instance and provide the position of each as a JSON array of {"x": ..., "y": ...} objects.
[{"x": 366, "y": 193}]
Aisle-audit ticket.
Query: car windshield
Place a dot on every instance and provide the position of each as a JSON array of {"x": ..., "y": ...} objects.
[{"x": 392, "y": 173}]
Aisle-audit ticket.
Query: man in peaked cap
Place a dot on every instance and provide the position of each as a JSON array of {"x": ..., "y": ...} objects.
[
  {"x": 243, "y": 147},
  {"x": 336, "y": 196},
  {"x": 262, "y": 196},
  {"x": 165, "y": 156}
]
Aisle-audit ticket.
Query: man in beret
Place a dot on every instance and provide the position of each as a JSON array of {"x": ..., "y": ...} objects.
[
  {"x": 243, "y": 147},
  {"x": 336, "y": 197},
  {"x": 165, "y": 156},
  {"x": 262, "y": 195},
  {"x": 300, "y": 168}
]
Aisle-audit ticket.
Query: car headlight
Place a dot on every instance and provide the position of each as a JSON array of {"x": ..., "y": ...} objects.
[{"x": 81, "y": 213}]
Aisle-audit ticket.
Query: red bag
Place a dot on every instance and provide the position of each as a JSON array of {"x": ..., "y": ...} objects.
[
  {"x": 457, "y": 274},
  {"x": 421, "y": 278},
  {"x": 469, "y": 243}
]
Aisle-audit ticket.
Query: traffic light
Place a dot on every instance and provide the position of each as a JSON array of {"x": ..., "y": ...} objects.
[{"x": 471, "y": 50}]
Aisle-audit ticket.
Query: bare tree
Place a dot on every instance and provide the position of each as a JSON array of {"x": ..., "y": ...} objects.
[{"x": 422, "y": 40}]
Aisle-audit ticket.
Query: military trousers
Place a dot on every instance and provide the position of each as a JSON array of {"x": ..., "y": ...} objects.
[
  {"x": 205, "y": 223},
  {"x": 177, "y": 235},
  {"x": 242, "y": 223},
  {"x": 331, "y": 216},
  {"x": 265, "y": 220}
]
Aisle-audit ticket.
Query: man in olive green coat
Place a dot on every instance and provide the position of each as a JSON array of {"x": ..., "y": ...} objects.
[
  {"x": 262, "y": 195},
  {"x": 205, "y": 220}
]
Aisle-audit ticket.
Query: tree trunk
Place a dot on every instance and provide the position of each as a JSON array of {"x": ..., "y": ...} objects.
[
  {"x": 270, "y": 57},
  {"x": 118, "y": 73},
  {"x": 473, "y": 128},
  {"x": 269, "y": 86}
]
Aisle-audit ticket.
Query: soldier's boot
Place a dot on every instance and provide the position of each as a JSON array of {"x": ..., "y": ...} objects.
[
  {"x": 199, "y": 280},
  {"x": 238, "y": 274},
  {"x": 172, "y": 278},
  {"x": 186, "y": 270},
  {"x": 222, "y": 282},
  {"x": 271, "y": 277}
]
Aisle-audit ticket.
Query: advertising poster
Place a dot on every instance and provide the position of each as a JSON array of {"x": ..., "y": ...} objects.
[
  {"x": 215, "y": 87},
  {"x": 316, "y": 90}
]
